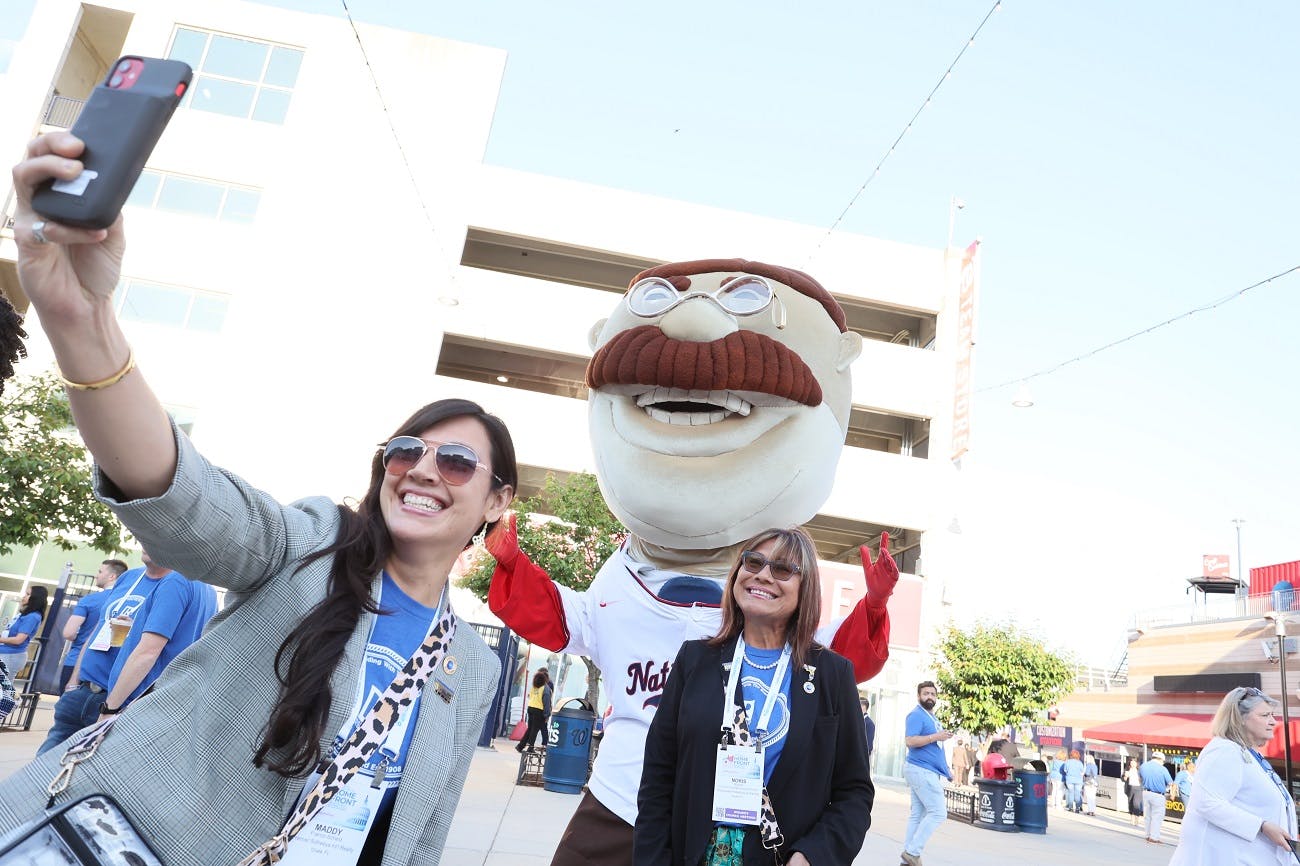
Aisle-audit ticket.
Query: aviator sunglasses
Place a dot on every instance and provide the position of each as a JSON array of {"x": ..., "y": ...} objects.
[
  {"x": 456, "y": 463},
  {"x": 753, "y": 561}
]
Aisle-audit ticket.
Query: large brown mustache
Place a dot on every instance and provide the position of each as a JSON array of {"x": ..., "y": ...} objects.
[{"x": 740, "y": 361}]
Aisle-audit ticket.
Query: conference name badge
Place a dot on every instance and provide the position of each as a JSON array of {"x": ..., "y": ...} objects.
[{"x": 738, "y": 785}]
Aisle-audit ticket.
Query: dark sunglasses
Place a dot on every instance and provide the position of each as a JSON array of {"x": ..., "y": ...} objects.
[
  {"x": 456, "y": 463},
  {"x": 1250, "y": 692},
  {"x": 754, "y": 562}
]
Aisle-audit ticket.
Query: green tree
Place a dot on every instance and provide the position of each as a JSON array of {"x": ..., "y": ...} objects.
[
  {"x": 997, "y": 675},
  {"x": 568, "y": 530},
  {"x": 46, "y": 491}
]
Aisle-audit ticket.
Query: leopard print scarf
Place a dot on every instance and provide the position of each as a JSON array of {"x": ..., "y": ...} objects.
[
  {"x": 368, "y": 736},
  {"x": 738, "y": 735}
]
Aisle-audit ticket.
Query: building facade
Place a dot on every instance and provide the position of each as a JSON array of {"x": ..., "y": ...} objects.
[{"x": 317, "y": 248}]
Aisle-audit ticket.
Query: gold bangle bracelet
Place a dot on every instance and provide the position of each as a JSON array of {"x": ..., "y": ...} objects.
[{"x": 102, "y": 383}]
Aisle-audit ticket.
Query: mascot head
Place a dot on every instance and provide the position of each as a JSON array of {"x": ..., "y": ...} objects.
[{"x": 720, "y": 397}]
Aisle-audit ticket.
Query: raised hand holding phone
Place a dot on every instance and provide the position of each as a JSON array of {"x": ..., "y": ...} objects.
[{"x": 119, "y": 126}]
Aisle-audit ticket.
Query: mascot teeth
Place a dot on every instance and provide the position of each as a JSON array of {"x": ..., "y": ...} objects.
[{"x": 691, "y": 408}]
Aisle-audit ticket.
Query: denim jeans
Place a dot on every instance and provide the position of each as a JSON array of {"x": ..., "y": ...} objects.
[
  {"x": 73, "y": 711},
  {"x": 929, "y": 808},
  {"x": 1074, "y": 796}
]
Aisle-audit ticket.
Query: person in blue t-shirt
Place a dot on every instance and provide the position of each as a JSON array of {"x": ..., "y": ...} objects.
[
  {"x": 85, "y": 616},
  {"x": 1072, "y": 776},
  {"x": 1155, "y": 781},
  {"x": 925, "y": 770},
  {"x": 171, "y": 618},
  {"x": 22, "y": 628},
  {"x": 82, "y": 704}
]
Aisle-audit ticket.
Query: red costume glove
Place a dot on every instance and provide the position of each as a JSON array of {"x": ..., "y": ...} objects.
[
  {"x": 882, "y": 575},
  {"x": 863, "y": 637}
]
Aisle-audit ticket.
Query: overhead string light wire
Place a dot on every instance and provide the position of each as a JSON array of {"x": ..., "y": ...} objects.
[
  {"x": 410, "y": 173},
  {"x": 1210, "y": 306},
  {"x": 928, "y": 99}
]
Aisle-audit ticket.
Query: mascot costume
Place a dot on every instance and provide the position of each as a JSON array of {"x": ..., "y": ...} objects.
[{"x": 719, "y": 400}]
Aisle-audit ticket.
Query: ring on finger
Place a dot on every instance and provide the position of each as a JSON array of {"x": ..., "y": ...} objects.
[{"x": 38, "y": 232}]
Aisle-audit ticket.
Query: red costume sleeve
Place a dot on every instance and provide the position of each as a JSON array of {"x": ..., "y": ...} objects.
[
  {"x": 522, "y": 594},
  {"x": 863, "y": 638}
]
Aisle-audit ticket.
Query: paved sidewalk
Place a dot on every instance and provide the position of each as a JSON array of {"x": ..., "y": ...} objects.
[{"x": 500, "y": 824}]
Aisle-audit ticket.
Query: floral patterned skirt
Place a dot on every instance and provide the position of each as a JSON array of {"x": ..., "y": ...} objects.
[{"x": 726, "y": 847}]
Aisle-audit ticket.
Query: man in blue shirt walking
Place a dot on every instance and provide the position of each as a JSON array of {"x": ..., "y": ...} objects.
[
  {"x": 925, "y": 769},
  {"x": 1155, "y": 782}
]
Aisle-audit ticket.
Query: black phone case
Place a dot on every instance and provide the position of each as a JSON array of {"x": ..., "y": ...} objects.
[{"x": 120, "y": 129}]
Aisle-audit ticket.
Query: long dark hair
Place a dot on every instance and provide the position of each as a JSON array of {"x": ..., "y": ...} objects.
[
  {"x": 795, "y": 546},
  {"x": 540, "y": 679},
  {"x": 315, "y": 647},
  {"x": 37, "y": 600}
]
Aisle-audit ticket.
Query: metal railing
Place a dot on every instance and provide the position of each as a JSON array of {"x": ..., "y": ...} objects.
[
  {"x": 961, "y": 804},
  {"x": 1216, "y": 610},
  {"x": 63, "y": 111},
  {"x": 1091, "y": 679}
]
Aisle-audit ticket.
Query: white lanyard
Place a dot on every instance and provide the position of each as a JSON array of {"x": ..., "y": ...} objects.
[{"x": 769, "y": 703}]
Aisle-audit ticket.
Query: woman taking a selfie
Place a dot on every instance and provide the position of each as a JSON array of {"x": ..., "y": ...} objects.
[
  {"x": 272, "y": 712},
  {"x": 792, "y": 772},
  {"x": 1240, "y": 811}
]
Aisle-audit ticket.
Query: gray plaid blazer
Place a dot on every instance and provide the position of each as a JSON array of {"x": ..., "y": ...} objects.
[{"x": 180, "y": 760}]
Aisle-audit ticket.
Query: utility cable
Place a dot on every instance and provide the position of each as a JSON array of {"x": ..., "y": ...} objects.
[
  {"x": 410, "y": 173},
  {"x": 946, "y": 75},
  {"x": 1210, "y": 306}
]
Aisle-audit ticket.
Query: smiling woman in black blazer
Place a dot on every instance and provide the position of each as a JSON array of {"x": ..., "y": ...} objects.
[{"x": 815, "y": 751}]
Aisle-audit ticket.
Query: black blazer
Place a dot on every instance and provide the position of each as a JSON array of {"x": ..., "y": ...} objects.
[{"x": 821, "y": 790}]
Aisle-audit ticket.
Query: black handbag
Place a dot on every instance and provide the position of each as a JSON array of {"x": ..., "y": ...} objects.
[{"x": 92, "y": 831}]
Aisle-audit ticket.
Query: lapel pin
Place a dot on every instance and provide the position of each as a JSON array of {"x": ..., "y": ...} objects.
[
  {"x": 443, "y": 691},
  {"x": 449, "y": 665},
  {"x": 808, "y": 686}
]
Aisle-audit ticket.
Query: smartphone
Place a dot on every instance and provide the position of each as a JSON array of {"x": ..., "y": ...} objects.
[{"x": 120, "y": 124}]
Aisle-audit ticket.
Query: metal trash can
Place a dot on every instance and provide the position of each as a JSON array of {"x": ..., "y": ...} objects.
[
  {"x": 568, "y": 755},
  {"x": 996, "y": 809},
  {"x": 1031, "y": 801}
]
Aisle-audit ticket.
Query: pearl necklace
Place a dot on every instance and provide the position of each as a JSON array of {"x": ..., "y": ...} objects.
[{"x": 754, "y": 664}]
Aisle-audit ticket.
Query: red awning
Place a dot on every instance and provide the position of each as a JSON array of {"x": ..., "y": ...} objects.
[{"x": 1182, "y": 730}]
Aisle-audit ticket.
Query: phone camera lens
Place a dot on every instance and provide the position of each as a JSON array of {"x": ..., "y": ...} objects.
[
  {"x": 116, "y": 81},
  {"x": 124, "y": 66}
]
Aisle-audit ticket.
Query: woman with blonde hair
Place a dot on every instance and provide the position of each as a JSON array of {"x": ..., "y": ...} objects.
[{"x": 1241, "y": 812}]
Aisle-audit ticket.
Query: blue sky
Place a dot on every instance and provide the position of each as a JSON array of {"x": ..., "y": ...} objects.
[{"x": 1122, "y": 162}]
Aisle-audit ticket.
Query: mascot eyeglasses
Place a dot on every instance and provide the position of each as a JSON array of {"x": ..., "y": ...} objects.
[{"x": 744, "y": 295}]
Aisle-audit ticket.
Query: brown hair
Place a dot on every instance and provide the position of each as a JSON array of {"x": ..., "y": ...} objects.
[
  {"x": 926, "y": 684},
  {"x": 796, "y": 546},
  {"x": 315, "y": 647}
]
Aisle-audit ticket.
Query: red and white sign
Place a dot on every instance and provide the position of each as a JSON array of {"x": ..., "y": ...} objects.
[
  {"x": 965, "y": 342},
  {"x": 1216, "y": 565}
]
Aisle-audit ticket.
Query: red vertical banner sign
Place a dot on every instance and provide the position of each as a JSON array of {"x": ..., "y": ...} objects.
[{"x": 961, "y": 397}]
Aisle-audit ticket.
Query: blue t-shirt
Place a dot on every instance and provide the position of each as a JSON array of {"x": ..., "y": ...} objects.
[
  {"x": 1184, "y": 780},
  {"x": 1072, "y": 772},
  {"x": 755, "y": 686},
  {"x": 177, "y": 610},
  {"x": 920, "y": 724},
  {"x": 126, "y": 598},
  {"x": 89, "y": 608},
  {"x": 27, "y": 624},
  {"x": 1154, "y": 776},
  {"x": 397, "y": 634}
]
